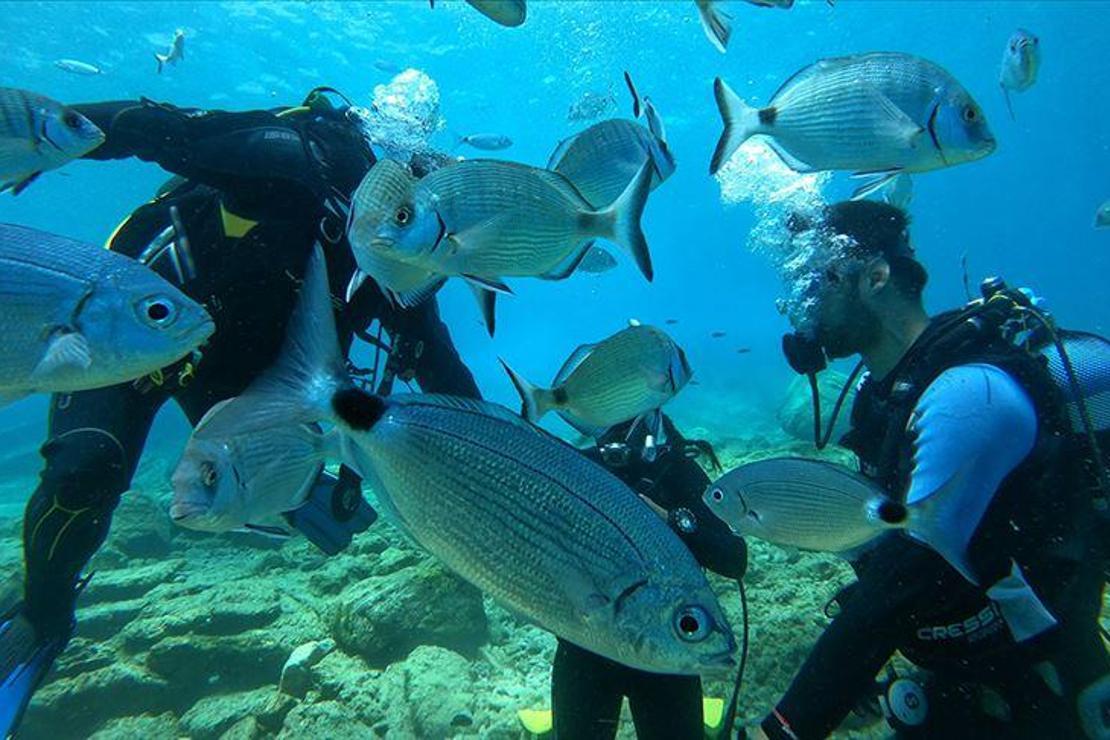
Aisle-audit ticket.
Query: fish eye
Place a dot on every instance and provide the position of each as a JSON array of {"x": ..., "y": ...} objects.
[
  {"x": 72, "y": 120},
  {"x": 970, "y": 114},
  {"x": 403, "y": 216},
  {"x": 717, "y": 495},
  {"x": 692, "y": 623},
  {"x": 208, "y": 474},
  {"x": 158, "y": 311}
]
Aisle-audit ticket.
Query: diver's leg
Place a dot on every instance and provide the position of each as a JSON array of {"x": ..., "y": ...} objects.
[
  {"x": 585, "y": 701},
  {"x": 665, "y": 707},
  {"x": 93, "y": 444}
]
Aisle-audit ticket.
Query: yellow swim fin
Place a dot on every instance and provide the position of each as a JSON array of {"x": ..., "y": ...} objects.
[
  {"x": 537, "y": 722},
  {"x": 712, "y": 710}
]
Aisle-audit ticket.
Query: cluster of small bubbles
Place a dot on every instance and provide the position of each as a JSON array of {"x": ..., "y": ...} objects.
[
  {"x": 403, "y": 115},
  {"x": 788, "y": 209}
]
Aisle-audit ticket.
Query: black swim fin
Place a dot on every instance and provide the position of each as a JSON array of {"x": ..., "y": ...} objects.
[
  {"x": 334, "y": 511},
  {"x": 25, "y": 659}
]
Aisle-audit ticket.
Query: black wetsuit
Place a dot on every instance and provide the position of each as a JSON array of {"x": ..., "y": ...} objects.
[
  {"x": 586, "y": 688},
  {"x": 978, "y": 681},
  {"x": 259, "y": 190}
]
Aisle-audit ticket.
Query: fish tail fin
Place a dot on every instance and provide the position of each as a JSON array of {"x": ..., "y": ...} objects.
[
  {"x": 624, "y": 215},
  {"x": 741, "y": 121},
  {"x": 161, "y": 61},
  {"x": 1009, "y": 103},
  {"x": 310, "y": 370},
  {"x": 716, "y": 23},
  {"x": 888, "y": 512},
  {"x": 534, "y": 401}
]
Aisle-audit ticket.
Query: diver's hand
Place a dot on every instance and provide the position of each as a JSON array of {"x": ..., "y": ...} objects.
[{"x": 659, "y": 510}]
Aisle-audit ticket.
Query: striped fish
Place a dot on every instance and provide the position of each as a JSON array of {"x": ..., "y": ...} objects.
[
  {"x": 602, "y": 160},
  {"x": 626, "y": 376},
  {"x": 879, "y": 113},
  {"x": 518, "y": 513},
  {"x": 39, "y": 134},
  {"x": 232, "y": 477},
  {"x": 380, "y": 206},
  {"x": 810, "y": 504}
]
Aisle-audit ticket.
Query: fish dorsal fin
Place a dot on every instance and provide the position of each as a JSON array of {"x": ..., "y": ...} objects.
[
  {"x": 561, "y": 151},
  {"x": 572, "y": 363},
  {"x": 210, "y": 413},
  {"x": 485, "y": 408}
]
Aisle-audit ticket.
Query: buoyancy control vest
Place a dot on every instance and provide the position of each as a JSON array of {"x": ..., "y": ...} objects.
[{"x": 1055, "y": 500}]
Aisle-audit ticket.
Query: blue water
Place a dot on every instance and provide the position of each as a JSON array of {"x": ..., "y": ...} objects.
[{"x": 1025, "y": 212}]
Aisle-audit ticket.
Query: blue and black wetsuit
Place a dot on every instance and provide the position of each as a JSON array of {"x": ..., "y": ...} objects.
[
  {"x": 979, "y": 425},
  {"x": 256, "y": 190},
  {"x": 587, "y": 689}
]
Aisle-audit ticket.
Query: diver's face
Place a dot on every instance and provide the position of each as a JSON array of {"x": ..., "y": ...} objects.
[{"x": 846, "y": 325}]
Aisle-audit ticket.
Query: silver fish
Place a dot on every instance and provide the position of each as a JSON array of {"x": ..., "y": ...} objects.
[
  {"x": 602, "y": 160},
  {"x": 516, "y": 512},
  {"x": 509, "y": 13},
  {"x": 78, "y": 67},
  {"x": 1021, "y": 61},
  {"x": 815, "y": 505},
  {"x": 38, "y": 134},
  {"x": 1102, "y": 216},
  {"x": 230, "y": 477},
  {"x": 379, "y": 198},
  {"x": 628, "y": 375},
  {"x": 175, "y": 53},
  {"x": 484, "y": 220},
  {"x": 716, "y": 23},
  {"x": 876, "y": 114},
  {"x": 597, "y": 261},
  {"x": 487, "y": 142},
  {"x": 74, "y": 316}
]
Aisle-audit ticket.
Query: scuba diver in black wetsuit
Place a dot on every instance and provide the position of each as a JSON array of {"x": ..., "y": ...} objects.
[
  {"x": 586, "y": 688},
  {"x": 253, "y": 192},
  {"x": 1004, "y": 417}
]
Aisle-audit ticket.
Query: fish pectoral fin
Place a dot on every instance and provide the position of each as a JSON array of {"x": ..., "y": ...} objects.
[
  {"x": 66, "y": 351},
  {"x": 1009, "y": 103},
  {"x": 897, "y": 125},
  {"x": 483, "y": 232},
  {"x": 869, "y": 187}
]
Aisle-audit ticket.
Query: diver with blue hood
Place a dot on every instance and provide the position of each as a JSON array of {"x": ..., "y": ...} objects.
[
  {"x": 252, "y": 192},
  {"x": 996, "y": 421}
]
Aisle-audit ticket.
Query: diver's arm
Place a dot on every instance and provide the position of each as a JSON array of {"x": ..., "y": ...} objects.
[
  {"x": 226, "y": 150},
  {"x": 904, "y": 579},
  {"x": 436, "y": 362},
  {"x": 708, "y": 538}
]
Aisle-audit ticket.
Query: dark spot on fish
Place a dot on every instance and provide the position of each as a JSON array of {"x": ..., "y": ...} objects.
[
  {"x": 891, "y": 512},
  {"x": 767, "y": 116},
  {"x": 717, "y": 334},
  {"x": 358, "y": 409},
  {"x": 672, "y": 321},
  {"x": 560, "y": 395},
  {"x": 753, "y": 514},
  {"x": 743, "y": 350}
]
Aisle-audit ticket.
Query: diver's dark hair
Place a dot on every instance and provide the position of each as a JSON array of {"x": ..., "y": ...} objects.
[{"x": 880, "y": 230}]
